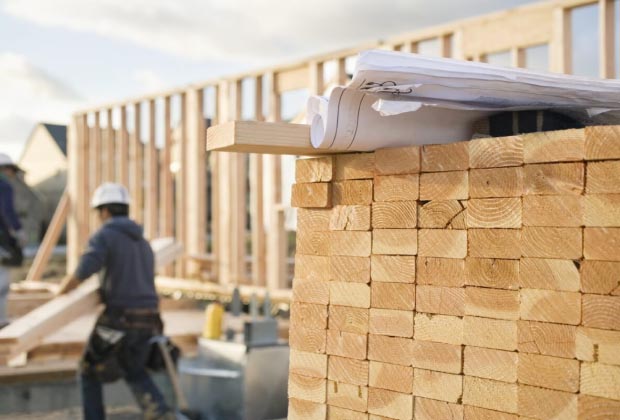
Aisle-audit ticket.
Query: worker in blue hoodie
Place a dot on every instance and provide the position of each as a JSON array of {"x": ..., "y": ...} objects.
[
  {"x": 119, "y": 344},
  {"x": 12, "y": 236}
]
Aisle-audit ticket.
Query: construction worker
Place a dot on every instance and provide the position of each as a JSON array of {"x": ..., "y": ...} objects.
[
  {"x": 12, "y": 237},
  {"x": 119, "y": 344}
]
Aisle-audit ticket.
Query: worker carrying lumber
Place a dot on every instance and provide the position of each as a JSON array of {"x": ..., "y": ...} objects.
[
  {"x": 12, "y": 236},
  {"x": 119, "y": 345}
]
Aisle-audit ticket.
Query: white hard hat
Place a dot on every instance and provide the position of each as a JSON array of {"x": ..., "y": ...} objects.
[
  {"x": 110, "y": 193},
  {"x": 5, "y": 160}
]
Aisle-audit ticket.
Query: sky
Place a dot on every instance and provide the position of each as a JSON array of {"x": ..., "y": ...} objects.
[{"x": 58, "y": 56}]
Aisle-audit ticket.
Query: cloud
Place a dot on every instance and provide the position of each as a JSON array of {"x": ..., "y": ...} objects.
[
  {"x": 149, "y": 80},
  {"x": 247, "y": 29},
  {"x": 29, "y": 95}
]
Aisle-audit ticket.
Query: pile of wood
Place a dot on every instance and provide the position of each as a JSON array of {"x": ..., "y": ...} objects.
[{"x": 473, "y": 280}]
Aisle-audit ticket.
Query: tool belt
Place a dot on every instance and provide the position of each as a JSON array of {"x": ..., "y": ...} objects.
[{"x": 120, "y": 342}]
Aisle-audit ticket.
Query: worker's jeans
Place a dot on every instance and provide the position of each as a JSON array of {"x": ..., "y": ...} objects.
[
  {"x": 5, "y": 283},
  {"x": 126, "y": 360}
]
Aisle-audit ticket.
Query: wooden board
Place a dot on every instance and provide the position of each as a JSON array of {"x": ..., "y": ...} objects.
[
  {"x": 262, "y": 137},
  {"x": 28, "y": 331}
]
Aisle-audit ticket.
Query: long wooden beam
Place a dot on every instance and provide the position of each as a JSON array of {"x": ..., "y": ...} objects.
[
  {"x": 27, "y": 332},
  {"x": 50, "y": 239},
  {"x": 275, "y": 138}
]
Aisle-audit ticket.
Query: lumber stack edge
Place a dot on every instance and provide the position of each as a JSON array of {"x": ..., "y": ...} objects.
[{"x": 472, "y": 280}]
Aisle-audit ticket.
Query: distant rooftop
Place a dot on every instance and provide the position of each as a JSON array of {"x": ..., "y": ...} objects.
[{"x": 59, "y": 134}]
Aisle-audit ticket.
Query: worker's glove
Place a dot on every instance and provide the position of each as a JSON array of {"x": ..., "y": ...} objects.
[{"x": 22, "y": 238}]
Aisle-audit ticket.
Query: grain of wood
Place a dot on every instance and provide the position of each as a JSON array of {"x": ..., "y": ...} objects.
[
  {"x": 602, "y": 142},
  {"x": 445, "y": 157},
  {"x": 351, "y": 397},
  {"x": 551, "y": 274},
  {"x": 596, "y": 345},
  {"x": 397, "y": 187},
  {"x": 394, "y": 215},
  {"x": 440, "y": 300},
  {"x": 314, "y": 170},
  {"x": 494, "y": 243},
  {"x": 546, "y": 404},
  {"x": 496, "y": 152},
  {"x": 393, "y": 268},
  {"x": 346, "y": 344},
  {"x": 355, "y": 166},
  {"x": 601, "y": 210},
  {"x": 309, "y": 220},
  {"x": 554, "y": 146},
  {"x": 307, "y": 340},
  {"x": 600, "y": 277},
  {"x": 549, "y": 242},
  {"x": 312, "y": 195},
  {"x": 309, "y": 315},
  {"x": 493, "y": 395},
  {"x": 476, "y": 413},
  {"x": 444, "y": 243},
  {"x": 601, "y": 312},
  {"x": 551, "y": 306},
  {"x": 444, "y": 186},
  {"x": 597, "y": 408},
  {"x": 553, "y": 178},
  {"x": 306, "y": 410},
  {"x": 395, "y": 350},
  {"x": 355, "y": 192},
  {"x": 347, "y": 319},
  {"x": 311, "y": 267},
  {"x": 437, "y": 385},
  {"x": 303, "y": 363},
  {"x": 496, "y": 182},
  {"x": 392, "y": 296},
  {"x": 553, "y": 210},
  {"x": 350, "y": 218},
  {"x": 494, "y": 213},
  {"x": 427, "y": 409},
  {"x": 389, "y": 403},
  {"x": 547, "y": 339},
  {"x": 601, "y": 244},
  {"x": 400, "y": 160},
  {"x": 395, "y": 241},
  {"x": 491, "y": 272},
  {"x": 356, "y": 295},
  {"x": 439, "y": 214},
  {"x": 306, "y": 388},
  {"x": 349, "y": 371},
  {"x": 439, "y": 357},
  {"x": 311, "y": 291},
  {"x": 337, "y": 413},
  {"x": 549, "y": 372},
  {"x": 490, "y": 333},
  {"x": 491, "y": 303},
  {"x": 493, "y": 364},
  {"x": 391, "y": 322},
  {"x": 449, "y": 272},
  {"x": 350, "y": 269},
  {"x": 393, "y": 377},
  {"x": 603, "y": 177},
  {"x": 350, "y": 243},
  {"x": 440, "y": 328},
  {"x": 600, "y": 380},
  {"x": 312, "y": 243}
]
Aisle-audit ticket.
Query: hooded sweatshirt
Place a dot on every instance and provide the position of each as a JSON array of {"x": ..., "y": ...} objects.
[
  {"x": 8, "y": 218},
  {"x": 128, "y": 279}
]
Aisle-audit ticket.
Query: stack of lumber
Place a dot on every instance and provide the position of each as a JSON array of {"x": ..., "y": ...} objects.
[{"x": 472, "y": 280}]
